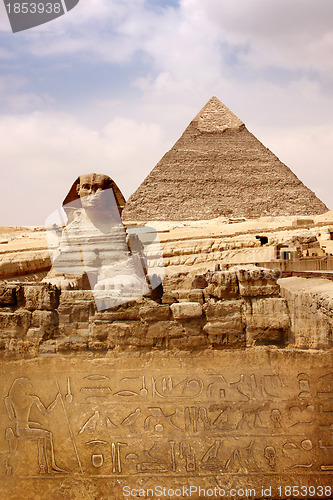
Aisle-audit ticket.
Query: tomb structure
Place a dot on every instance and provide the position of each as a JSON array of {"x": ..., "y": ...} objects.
[{"x": 218, "y": 168}]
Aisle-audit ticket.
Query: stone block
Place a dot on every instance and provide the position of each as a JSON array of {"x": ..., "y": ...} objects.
[
  {"x": 165, "y": 329},
  {"x": 42, "y": 296},
  {"x": 216, "y": 310},
  {"x": 230, "y": 325},
  {"x": 34, "y": 334},
  {"x": 185, "y": 310},
  {"x": 100, "y": 331},
  {"x": 189, "y": 343},
  {"x": 81, "y": 311},
  {"x": 8, "y": 294},
  {"x": 234, "y": 341},
  {"x": 169, "y": 298},
  {"x": 182, "y": 295},
  {"x": 269, "y": 313},
  {"x": 72, "y": 343},
  {"x": 134, "y": 343},
  {"x": 115, "y": 331},
  {"x": 265, "y": 337},
  {"x": 222, "y": 284},
  {"x": 155, "y": 312},
  {"x": 256, "y": 281},
  {"x": 310, "y": 304},
  {"x": 64, "y": 318},
  {"x": 48, "y": 348},
  {"x": 125, "y": 312},
  {"x": 47, "y": 321},
  {"x": 259, "y": 288},
  {"x": 196, "y": 295},
  {"x": 159, "y": 329},
  {"x": 199, "y": 282},
  {"x": 12, "y": 323},
  {"x": 71, "y": 296},
  {"x": 97, "y": 345}
]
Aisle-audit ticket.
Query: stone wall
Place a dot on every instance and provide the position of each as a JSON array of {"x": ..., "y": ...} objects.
[
  {"x": 202, "y": 388},
  {"x": 251, "y": 420},
  {"x": 234, "y": 309},
  {"x": 310, "y": 303}
]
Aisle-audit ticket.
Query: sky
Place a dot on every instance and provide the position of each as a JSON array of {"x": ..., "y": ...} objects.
[{"x": 110, "y": 86}]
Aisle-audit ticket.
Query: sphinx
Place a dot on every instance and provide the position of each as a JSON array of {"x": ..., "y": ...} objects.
[{"x": 95, "y": 250}]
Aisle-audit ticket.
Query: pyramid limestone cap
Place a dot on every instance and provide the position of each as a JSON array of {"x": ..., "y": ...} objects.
[{"x": 216, "y": 117}]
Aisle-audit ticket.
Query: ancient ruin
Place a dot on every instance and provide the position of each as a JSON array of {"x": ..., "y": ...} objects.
[
  {"x": 218, "y": 168},
  {"x": 94, "y": 250},
  {"x": 212, "y": 378}
]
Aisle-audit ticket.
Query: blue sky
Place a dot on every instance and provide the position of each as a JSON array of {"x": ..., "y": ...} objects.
[{"x": 110, "y": 86}]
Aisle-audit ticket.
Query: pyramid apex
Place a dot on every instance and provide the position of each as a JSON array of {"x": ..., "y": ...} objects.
[{"x": 216, "y": 117}]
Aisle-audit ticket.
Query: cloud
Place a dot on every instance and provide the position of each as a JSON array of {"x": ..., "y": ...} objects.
[
  {"x": 16, "y": 96},
  {"x": 269, "y": 62},
  {"x": 42, "y": 155},
  {"x": 257, "y": 34}
]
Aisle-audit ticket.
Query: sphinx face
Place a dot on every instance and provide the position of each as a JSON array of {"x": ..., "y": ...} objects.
[{"x": 93, "y": 191}]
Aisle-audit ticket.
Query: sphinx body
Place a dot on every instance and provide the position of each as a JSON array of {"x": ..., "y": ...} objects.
[{"x": 94, "y": 250}]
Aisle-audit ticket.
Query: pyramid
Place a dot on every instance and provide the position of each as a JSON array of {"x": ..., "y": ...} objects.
[{"x": 218, "y": 168}]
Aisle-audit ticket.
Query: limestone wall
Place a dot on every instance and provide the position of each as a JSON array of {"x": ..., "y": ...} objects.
[
  {"x": 310, "y": 303},
  {"x": 239, "y": 308},
  {"x": 247, "y": 420},
  {"x": 215, "y": 385}
]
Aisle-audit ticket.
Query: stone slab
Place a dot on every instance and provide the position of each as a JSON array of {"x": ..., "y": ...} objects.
[{"x": 240, "y": 420}]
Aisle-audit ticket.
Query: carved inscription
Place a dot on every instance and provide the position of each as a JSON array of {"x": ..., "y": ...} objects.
[{"x": 125, "y": 422}]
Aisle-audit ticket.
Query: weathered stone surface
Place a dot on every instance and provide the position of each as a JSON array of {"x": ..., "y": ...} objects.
[
  {"x": 121, "y": 313},
  {"x": 224, "y": 318},
  {"x": 186, "y": 295},
  {"x": 114, "y": 331},
  {"x": 230, "y": 325},
  {"x": 216, "y": 310},
  {"x": 41, "y": 296},
  {"x": 46, "y": 321},
  {"x": 18, "y": 264},
  {"x": 199, "y": 282},
  {"x": 73, "y": 343},
  {"x": 8, "y": 294},
  {"x": 310, "y": 304},
  {"x": 269, "y": 313},
  {"x": 155, "y": 312},
  {"x": 228, "y": 341},
  {"x": 169, "y": 298},
  {"x": 165, "y": 329},
  {"x": 104, "y": 413},
  {"x": 196, "y": 295},
  {"x": 185, "y": 310},
  {"x": 258, "y": 288},
  {"x": 222, "y": 284},
  {"x": 267, "y": 321},
  {"x": 82, "y": 311},
  {"x": 12, "y": 323},
  {"x": 190, "y": 342}
]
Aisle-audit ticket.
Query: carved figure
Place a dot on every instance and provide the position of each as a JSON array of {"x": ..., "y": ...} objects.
[
  {"x": 94, "y": 244},
  {"x": 18, "y": 404}
]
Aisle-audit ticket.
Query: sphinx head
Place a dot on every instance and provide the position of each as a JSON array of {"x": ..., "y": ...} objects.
[
  {"x": 93, "y": 190},
  {"x": 96, "y": 193}
]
